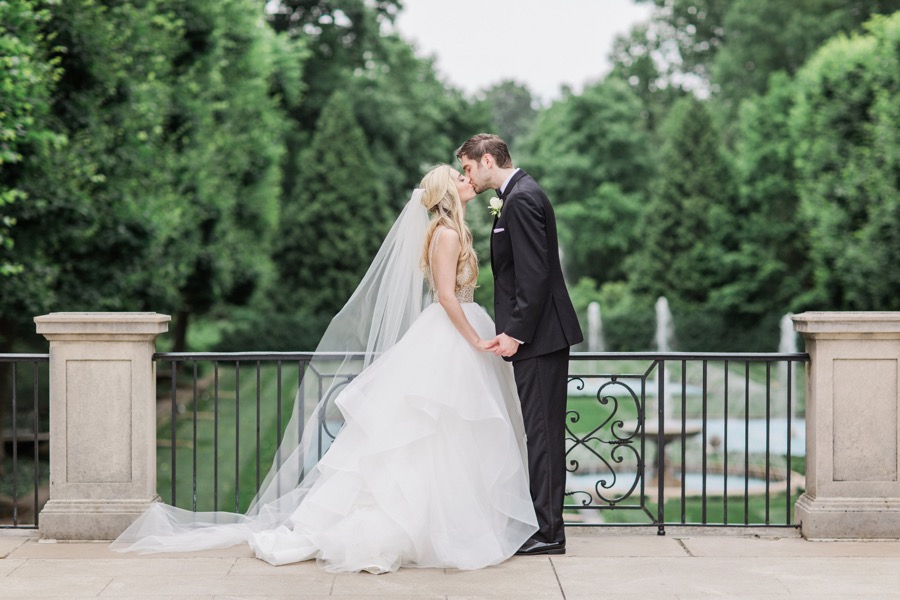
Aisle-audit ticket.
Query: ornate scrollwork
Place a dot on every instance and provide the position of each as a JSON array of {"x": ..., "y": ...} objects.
[{"x": 607, "y": 446}]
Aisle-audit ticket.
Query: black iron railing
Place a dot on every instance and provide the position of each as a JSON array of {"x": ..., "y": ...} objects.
[
  {"x": 728, "y": 426},
  {"x": 227, "y": 415},
  {"x": 24, "y": 437},
  {"x": 726, "y": 423}
]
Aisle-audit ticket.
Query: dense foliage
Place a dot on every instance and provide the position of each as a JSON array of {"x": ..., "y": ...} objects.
[
  {"x": 774, "y": 186},
  {"x": 237, "y": 168}
]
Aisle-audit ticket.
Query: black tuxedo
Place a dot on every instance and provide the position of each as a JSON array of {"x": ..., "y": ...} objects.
[{"x": 531, "y": 304}]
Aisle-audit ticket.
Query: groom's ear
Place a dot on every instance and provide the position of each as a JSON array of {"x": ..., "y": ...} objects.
[{"x": 488, "y": 160}]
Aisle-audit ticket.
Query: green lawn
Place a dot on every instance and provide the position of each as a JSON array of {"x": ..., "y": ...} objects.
[
  {"x": 779, "y": 511},
  {"x": 237, "y": 428}
]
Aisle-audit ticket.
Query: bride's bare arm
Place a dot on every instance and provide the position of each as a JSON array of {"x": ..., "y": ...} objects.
[{"x": 443, "y": 267}]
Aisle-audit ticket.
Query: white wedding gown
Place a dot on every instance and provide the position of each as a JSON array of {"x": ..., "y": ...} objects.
[{"x": 429, "y": 469}]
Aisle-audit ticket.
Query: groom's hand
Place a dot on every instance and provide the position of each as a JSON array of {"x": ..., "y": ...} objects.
[{"x": 503, "y": 345}]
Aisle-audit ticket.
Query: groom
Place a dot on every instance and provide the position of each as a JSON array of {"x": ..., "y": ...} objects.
[{"x": 535, "y": 322}]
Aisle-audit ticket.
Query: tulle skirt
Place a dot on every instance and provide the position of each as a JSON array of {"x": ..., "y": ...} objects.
[{"x": 429, "y": 469}]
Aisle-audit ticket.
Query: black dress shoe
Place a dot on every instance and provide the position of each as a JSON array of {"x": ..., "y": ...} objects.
[{"x": 534, "y": 547}]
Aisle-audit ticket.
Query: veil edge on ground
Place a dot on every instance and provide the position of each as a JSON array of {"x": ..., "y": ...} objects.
[{"x": 388, "y": 299}]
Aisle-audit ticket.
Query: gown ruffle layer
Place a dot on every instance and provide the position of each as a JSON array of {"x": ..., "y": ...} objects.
[{"x": 428, "y": 470}]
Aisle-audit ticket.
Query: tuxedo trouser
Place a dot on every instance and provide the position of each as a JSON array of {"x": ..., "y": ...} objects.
[{"x": 542, "y": 385}]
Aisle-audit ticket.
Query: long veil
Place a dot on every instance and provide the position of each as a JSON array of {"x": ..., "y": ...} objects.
[{"x": 389, "y": 298}]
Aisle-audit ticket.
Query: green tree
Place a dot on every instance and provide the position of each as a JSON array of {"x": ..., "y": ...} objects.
[
  {"x": 410, "y": 119},
  {"x": 594, "y": 157},
  {"x": 228, "y": 132},
  {"x": 342, "y": 35},
  {"x": 687, "y": 35},
  {"x": 512, "y": 108},
  {"x": 98, "y": 203},
  {"x": 637, "y": 59},
  {"x": 329, "y": 232},
  {"x": 344, "y": 39},
  {"x": 689, "y": 232},
  {"x": 766, "y": 36},
  {"x": 583, "y": 141},
  {"x": 772, "y": 263},
  {"x": 845, "y": 127},
  {"x": 27, "y": 78},
  {"x": 597, "y": 233},
  {"x": 165, "y": 194}
]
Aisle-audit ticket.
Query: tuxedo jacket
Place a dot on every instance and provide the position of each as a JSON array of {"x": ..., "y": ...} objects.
[{"x": 531, "y": 302}]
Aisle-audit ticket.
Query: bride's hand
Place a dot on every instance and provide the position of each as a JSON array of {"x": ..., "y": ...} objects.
[{"x": 485, "y": 345}]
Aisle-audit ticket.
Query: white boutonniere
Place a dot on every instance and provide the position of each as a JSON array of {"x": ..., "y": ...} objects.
[{"x": 494, "y": 205}]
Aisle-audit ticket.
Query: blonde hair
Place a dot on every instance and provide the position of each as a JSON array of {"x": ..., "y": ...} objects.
[{"x": 446, "y": 209}]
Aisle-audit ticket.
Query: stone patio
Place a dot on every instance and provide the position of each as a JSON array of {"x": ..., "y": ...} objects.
[{"x": 686, "y": 564}]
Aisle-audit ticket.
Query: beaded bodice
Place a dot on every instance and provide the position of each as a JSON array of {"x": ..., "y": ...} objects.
[{"x": 464, "y": 293}]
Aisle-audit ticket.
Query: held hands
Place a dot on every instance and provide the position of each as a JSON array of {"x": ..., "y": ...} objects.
[
  {"x": 502, "y": 345},
  {"x": 484, "y": 345}
]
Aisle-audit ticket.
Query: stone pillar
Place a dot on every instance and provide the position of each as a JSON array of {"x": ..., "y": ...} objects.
[
  {"x": 852, "y": 433},
  {"x": 102, "y": 422}
]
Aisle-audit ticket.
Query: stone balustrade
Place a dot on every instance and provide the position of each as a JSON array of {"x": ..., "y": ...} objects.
[{"x": 103, "y": 423}]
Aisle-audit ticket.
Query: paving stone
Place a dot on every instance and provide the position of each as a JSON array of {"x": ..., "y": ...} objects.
[
  {"x": 8, "y": 565},
  {"x": 44, "y": 587},
  {"x": 41, "y": 567},
  {"x": 190, "y": 585},
  {"x": 787, "y": 547},
  {"x": 9, "y": 544}
]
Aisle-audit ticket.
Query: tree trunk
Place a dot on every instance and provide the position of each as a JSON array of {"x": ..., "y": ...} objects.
[{"x": 180, "y": 333}]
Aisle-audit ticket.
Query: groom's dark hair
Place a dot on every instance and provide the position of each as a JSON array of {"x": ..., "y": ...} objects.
[{"x": 486, "y": 143}]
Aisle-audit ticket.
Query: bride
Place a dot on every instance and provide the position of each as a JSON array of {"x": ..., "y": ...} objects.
[{"x": 429, "y": 468}]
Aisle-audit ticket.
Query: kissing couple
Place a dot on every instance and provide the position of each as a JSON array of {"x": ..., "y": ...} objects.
[{"x": 452, "y": 448}]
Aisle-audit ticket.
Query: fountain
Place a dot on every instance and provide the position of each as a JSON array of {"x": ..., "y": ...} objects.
[
  {"x": 741, "y": 434},
  {"x": 664, "y": 335},
  {"x": 788, "y": 345},
  {"x": 595, "y": 328},
  {"x": 673, "y": 429}
]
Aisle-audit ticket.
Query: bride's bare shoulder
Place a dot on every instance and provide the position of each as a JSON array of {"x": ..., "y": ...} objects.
[{"x": 442, "y": 236}]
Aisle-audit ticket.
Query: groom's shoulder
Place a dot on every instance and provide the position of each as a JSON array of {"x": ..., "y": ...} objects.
[{"x": 529, "y": 185}]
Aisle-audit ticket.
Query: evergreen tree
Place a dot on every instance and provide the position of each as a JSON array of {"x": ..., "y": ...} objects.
[
  {"x": 411, "y": 120},
  {"x": 330, "y": 231},
  {"x": 689, "y": 231}
]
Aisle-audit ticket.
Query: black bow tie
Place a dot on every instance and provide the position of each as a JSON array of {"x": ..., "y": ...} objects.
[{"x": 499, "y": 193}]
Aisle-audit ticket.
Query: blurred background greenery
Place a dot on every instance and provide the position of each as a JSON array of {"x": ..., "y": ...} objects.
[{"x": 237, "y": 168}]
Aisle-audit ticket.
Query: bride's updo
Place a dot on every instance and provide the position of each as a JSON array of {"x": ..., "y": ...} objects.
[{"x": 446, "y": 209}]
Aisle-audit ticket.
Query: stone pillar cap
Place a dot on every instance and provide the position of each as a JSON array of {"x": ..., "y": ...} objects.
[
  {"x": 102, "y": 323},
  {"x": 847, "y": 322}
]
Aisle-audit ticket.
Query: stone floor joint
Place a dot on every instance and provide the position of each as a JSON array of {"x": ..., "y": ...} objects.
[
  {"x": 108, "y": 583},
  {"x": 558, "y": 582},
  {"x": 684, "y": 546}
]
